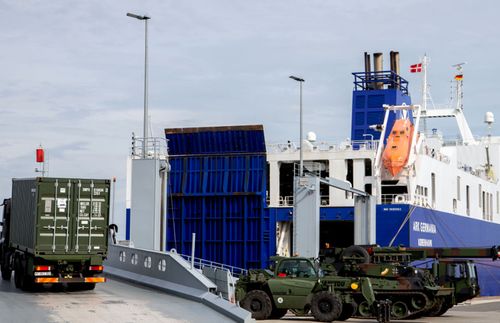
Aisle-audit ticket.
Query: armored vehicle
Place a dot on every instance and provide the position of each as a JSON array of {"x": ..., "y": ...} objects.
[
  {"x": 414, "y": 291},
  {"x": 55, "y": 230},
  {"x": 298, "y": 284}
]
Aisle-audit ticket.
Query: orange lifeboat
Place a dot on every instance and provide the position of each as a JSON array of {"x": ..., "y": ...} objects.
[{"x": 398, "y": 146}]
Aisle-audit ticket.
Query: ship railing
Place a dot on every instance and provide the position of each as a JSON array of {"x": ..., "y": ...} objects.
[
  {"x": 288, "y": 200},
  {"x": 200, "y": 263},
  {"x": 378, "y": 79},
  {"x": 347, "y": 145},
  {"x": 395, "y": 198},
  {"x": 431, "y": 152},
  {"x": 154, "y": 148}
]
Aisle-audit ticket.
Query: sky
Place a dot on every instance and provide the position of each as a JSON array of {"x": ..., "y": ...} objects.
[{"x": 72, "y": 72}]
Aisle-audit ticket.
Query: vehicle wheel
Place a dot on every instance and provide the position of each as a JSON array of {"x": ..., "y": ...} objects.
[
  {"x": 325, "y": 306},
  {"x": 348, "y": 310},
  {"x": 436, "y": 307},
  {"x": 258, "y": 303},
  {"x": 364, "y": 309},
  {"x": 399, "y": 310},
  {"x": 419, "y": 301},
  {"x": 6, "y": 270},
  {"x": 277, "y": 313},
  {"x": 360, "y": 253}
]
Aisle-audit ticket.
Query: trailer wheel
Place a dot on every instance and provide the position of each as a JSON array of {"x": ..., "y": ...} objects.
[
  {"x": 6, "y": 270},
  {"x": 18, "y": 274},
  {"x": 325, "y": 306},
  {"x": 258, "y": 303}
]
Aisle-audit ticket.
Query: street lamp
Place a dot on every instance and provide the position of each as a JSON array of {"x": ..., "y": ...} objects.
[
  {"x": 301, "y": 170},
  {"x": 145, "y": 18}
]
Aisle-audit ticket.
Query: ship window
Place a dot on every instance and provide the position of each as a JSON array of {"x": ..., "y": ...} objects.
[
  {"x": 425, "y": 191},
  {"x": 454, "y": 205},
  {"x": 401, "y": 132},
  {"x": 467, "y": 199},
  {"x": 498, "y": 202},
  {"x": 368, "y": 167},
  {"x": 433, "y": 189},
  {"x": 480, "y": 196},
  {"x": 484, "y": 204},
  {"x": 491, "y": 206},
  {"x": 458, "y": 188},
  {"x": 349, "y": 177}
]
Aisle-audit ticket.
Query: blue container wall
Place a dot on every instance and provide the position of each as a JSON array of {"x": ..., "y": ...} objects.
[
  {"x": 217, "y": 189},
  {"x": 367, "y": 110}
]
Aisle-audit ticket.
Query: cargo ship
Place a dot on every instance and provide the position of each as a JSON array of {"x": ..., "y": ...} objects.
[{"x": 235, "y": 191}]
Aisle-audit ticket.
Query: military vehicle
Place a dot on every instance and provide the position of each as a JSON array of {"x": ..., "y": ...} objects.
[
  {"x": 55, "y": 230},
  {"x": 414, "y": 292},
  {"x": 298, "y": 284}
]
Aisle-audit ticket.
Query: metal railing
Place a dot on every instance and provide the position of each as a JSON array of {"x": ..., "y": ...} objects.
[
  {"x": 154, "y": 148},
  {"x": 200, "y": 263},
  {"x": 347, "y": 145},
  {"x": 395, "y": 199}
]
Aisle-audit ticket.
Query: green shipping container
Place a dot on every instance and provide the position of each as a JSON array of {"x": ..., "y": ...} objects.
[{"x": 60, "y": 218}]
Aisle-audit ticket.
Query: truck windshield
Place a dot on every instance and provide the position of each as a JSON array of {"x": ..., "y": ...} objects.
[{"x": 296, "y": 268}]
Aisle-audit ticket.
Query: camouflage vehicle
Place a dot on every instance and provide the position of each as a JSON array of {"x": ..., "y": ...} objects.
[
  {"x": 414, "y": 292},
  {"x": 298, "y": 284}
]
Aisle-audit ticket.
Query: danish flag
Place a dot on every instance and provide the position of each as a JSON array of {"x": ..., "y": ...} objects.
[{"x": 416, "y": 68}]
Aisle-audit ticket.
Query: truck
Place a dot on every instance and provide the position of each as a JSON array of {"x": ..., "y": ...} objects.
[
  {"x": 414, "y": 291},
  {"x": 55, "y": 231},
  {"x": 299, "y": 285}
]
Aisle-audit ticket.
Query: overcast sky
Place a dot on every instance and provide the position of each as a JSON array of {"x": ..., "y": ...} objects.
[{"x": 72, "y": 71}]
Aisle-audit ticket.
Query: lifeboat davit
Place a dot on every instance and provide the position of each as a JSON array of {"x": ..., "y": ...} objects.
[{"x": 398, "y": 146}]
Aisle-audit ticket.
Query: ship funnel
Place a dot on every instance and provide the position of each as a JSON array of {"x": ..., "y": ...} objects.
[
  {"x": 378, "y": 67},
  {"x": 395, "y": 65},
  {"x": 367, "y": 71}
]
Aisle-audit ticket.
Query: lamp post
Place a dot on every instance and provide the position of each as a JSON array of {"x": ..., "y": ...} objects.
[
  {"x": 145, "y": 18},
  {"x": 301, "y": 165}
]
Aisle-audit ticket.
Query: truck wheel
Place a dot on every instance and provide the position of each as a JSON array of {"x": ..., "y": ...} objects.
[
  {"x": 277, "y": 313},
  {"x": 258, "y": 303},
  {"x": 348, "y": 310},
  {"x": 356, "y": 252},
  {"x": 325, "y": 306},
  {"x": 18, "y": 274},
  {"x": 6, "y": 271}
]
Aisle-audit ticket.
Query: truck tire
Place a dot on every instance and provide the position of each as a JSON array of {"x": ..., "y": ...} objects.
[
  {"x": 325, "y": 306},
  {"x": 277, "y": 313},
  {"x": 348, "y": 310},
  {"x": 6, "y": 273},
  {"x": 258, "y": 303},
  {"x": 356, "y": 252}
]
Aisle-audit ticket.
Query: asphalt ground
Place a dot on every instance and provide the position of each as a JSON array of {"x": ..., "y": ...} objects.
[{"x": 115, "y": 301}]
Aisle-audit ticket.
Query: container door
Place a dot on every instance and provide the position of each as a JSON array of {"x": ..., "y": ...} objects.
[
  {"x": 91, "y": 209},
  {"x": 54, "y": 215}
]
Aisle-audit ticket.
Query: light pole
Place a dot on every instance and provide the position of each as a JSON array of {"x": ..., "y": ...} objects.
[
  {"x": 301, "y": 165},
  {"x": 145, "y": 18}
]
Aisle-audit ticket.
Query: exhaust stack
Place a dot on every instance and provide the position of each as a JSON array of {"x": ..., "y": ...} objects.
[{"x": 378, "y": 67}]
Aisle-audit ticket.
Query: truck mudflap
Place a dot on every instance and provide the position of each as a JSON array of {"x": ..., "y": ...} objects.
[{"x": 55, "y": 280}]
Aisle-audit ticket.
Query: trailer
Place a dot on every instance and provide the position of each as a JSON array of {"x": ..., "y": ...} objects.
[{"x": 55, "y": 230}]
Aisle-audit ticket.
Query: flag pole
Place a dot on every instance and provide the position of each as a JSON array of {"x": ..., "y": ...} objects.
[{"x": 424, "y": 90}]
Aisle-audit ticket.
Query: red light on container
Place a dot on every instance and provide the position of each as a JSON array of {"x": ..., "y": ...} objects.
[
  {"x": 40, "y": 156},
  {"x": 96, "y": 268},
  {"x": 42, "y": 268}
]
